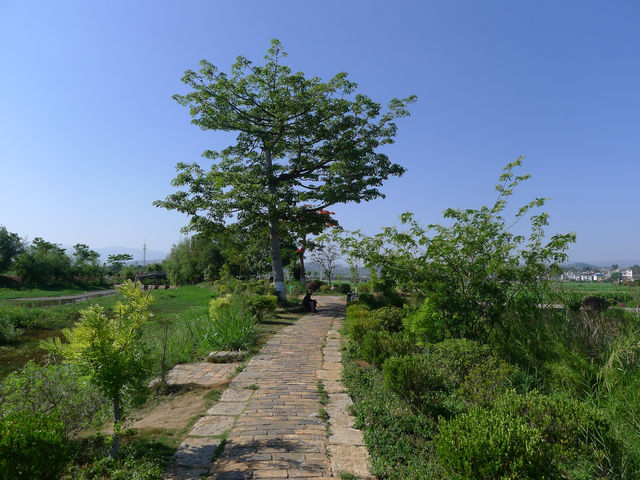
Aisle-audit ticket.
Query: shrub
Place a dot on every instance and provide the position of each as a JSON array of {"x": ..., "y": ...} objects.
[
  {"x": 233, "y": 328},
  {"x": 359, "y": 322},
  {"x": 8, "y": 332},
  {"x": 314, "y": 285},
  {"x": 485, "y": 382},
  {"x": 261, "y": 305},
  {"x": 31, "y": 446},
  {"x": 377, "y": 346},
  {"x": 427, "y": 323},
  {"x": 25, "y": 317},
  {"x": 344, "y": 288},
  {"x": 492, "y": 444},
  {"x": 217, "y": 304},
  {"x": 456, "y": 357},
  {"x": 416, "y": 380},
  {"x": 53, "y": 389},
  {"x": 370, "y": 300},
  {"x": 596, "y": 304},
  {"x": 389, "y": 318},
  {"x": 425, "y": 380},
  {"x": 529, "y": 436},
  {"x": 260, "y": 287}
]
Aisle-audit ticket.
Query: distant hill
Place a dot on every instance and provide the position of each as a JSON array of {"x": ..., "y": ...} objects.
[{"x": 600, "y": 264}]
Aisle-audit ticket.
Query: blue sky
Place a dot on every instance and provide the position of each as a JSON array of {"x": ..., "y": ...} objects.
[{"x": 90, "y": 135}]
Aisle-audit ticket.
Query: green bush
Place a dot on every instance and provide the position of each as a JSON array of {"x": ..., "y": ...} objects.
[
  {"x": 427, "y": 323},
  {"x": 32, "y": 318},
  {"x": 417, "y": 380},
  {"x": 389, "y": 318},
  {"x": 428, "y": 379},
  {"x": 398, "y": 438},
  {"x": 314, "y": 285},
  {"x": 371, "y": 301},
  {"x": 359, "y": 322},
  {"x": 495, "y": 445},
  {"x": 344, "y": 288},
  {"x": 530, "y": 436},
  {"x": 217, "y": 304},
  {"x": 8, "y": 332},
  {"x": 233, "y": 327},
  {"x": 260, "y": 287},
  {"x": 260, "y": 305},
  {"x": 377, "y": 346},
  {"x": 53, "y": 389},
  {"x": 32, "y": 446},
  {"x": 485, "y": 382},
  {"x": 456, "y": 357}
]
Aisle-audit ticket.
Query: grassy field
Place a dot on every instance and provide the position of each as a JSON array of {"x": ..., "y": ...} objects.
[
  {"x": 10, "y": 293},
  {"x": 617, "y": 293},
  {"x": 184, "y": 310}
]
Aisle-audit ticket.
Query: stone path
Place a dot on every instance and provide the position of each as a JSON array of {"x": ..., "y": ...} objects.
[
  {"x": 204, "y": 373},
  {"x": 270, "y": 412}
]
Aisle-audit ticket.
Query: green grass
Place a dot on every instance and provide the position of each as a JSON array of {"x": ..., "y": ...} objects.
[{"x": 9, "y": 293}]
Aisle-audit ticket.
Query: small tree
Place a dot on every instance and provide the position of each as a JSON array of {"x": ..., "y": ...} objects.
[
  {"x": 475, "y": 271},
  {"x": 86, "y": 262},
  {"x": 326, "y": 255},
  {"x": 117, "y": 261},
  {"x": 110, "y": 350}
]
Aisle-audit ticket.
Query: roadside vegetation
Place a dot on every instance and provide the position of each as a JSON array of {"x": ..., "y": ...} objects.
[
  {"x": 60, "y": 405},
  {"x": 460, "y": 369}
]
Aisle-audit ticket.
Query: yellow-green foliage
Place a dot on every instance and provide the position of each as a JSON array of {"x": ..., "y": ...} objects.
[
  {"x": 110, "y": 349},
  {"x": 427, "y": 324},
  {"x": 216, "y": 304}
]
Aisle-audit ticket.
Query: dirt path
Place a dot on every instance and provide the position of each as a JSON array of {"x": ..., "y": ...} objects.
[{"x": 270, "y": 413}]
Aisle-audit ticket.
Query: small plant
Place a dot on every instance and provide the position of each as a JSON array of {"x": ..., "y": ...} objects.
[
  {"x": 110, "y": 350},
  {"x": 253, "y": 386},
  {"x": 233, "y": 328},
  {"x": 324, "y": 395}
]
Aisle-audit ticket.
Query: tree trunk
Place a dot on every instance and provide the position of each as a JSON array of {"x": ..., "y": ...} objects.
[
  {"x": 274, "y": 234},
  {"x": 303, "y": 273},
  {"x": 115, "y": 443}
]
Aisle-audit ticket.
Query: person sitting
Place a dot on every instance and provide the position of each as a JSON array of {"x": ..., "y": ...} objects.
[{"x": 308, "y": 304}]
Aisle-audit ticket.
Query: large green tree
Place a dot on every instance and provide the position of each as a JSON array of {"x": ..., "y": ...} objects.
[
  {"x": 299, "y": 141},
  {"x": 10, "y": 246}
]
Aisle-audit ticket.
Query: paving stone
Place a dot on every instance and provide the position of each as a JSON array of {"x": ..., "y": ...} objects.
[
  {"x": 227, "y": 408},
  {"x": 348, "y": 458},
  {"x": 234, "y": 395},
  {"x": 212, "y": 426},
  {"x": 195, "y": 452}
]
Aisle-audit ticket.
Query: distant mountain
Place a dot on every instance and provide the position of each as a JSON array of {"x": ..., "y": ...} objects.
[{"x": 600, "y": 264}]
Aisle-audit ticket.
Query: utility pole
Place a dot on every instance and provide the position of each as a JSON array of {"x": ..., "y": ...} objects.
[{"x": 144, "y": 254}]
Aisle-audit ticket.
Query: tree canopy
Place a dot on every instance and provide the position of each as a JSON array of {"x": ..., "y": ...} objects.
[{"x": 302, "y": 144}]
